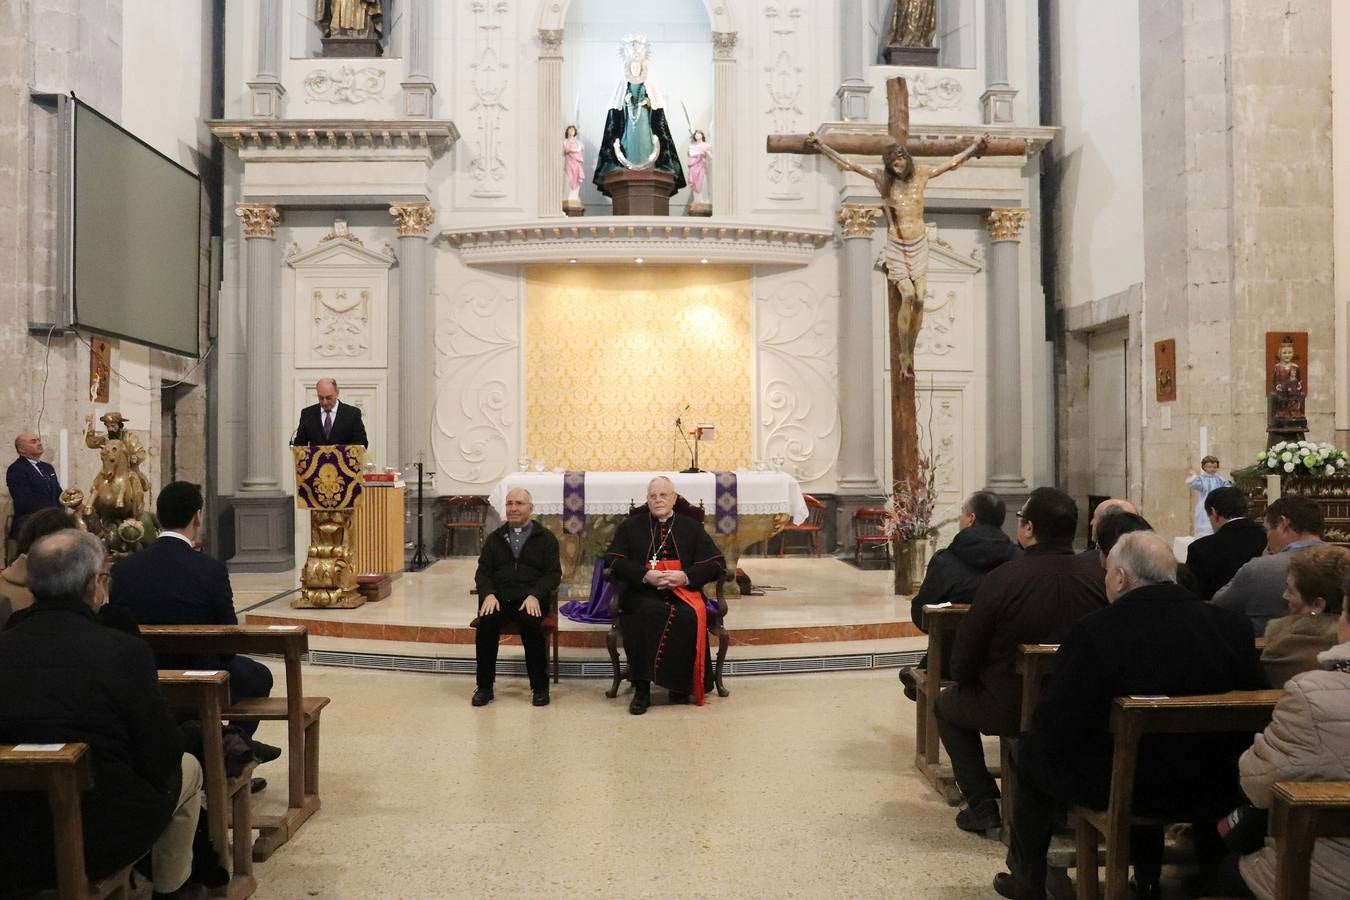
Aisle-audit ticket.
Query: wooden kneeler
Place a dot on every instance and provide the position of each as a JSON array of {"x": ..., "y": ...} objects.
[{"x": 63, "y": 774}]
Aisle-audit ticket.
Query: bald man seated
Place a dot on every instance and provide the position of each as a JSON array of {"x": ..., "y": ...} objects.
[
  {"x": 330, "y": 421},
  {"x": 519, "y": 568},
  {"x": 32, "y": 483}
]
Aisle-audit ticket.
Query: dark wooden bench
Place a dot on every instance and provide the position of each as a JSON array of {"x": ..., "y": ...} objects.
[
  {"x": 300, "y": 713},
  {"x": 942, "y": 622},
  {"x": 1035, "y": 662},
  {"x": 63, "y": 774},
  {"x": 1131, "y": 719},
  {"x": 1302, "y": 812},
  {"x": 229, "y": 806}
]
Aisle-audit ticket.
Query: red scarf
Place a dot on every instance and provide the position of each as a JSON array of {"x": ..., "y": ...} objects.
[{"x": 696, "y": 602}]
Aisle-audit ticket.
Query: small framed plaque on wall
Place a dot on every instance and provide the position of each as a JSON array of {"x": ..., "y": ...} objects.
[
  {"x": 100, "y": 368},
  {"x": 1165, "y": 368}
]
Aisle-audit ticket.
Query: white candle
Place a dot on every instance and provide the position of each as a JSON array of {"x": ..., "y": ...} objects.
[
  {"x": 61, "y": 457},
  {"x": 1204, "y": 441}
]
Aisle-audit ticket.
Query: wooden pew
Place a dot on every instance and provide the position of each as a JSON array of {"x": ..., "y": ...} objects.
[
  {"x": 1035, "y": 662},
  {"x": 1304, "y": 811},
  {"x": 1131, "y": 719},
  {"x": 942, "y": 622},
  {"x": 63, "y": 773},
  {"x": 300, "y": 713},
  {"x": 228, "y": 800}
]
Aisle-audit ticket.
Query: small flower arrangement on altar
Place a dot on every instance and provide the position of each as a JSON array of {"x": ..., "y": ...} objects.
[
  {"x": 909, "y": 511},
  {"x": 1302, "y": 458}
]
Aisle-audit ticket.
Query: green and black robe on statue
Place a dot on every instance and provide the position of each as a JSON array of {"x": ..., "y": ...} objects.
[{"x": 661, "y": 634}]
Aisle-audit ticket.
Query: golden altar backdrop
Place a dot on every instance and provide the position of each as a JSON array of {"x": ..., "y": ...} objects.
[{"x": 613, "y": 354}]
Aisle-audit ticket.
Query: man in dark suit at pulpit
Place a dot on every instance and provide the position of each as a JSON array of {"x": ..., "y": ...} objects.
[{"x": 330, "y": 421}]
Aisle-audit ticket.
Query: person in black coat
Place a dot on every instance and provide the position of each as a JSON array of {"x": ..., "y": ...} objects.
[
  {"x": 979, "y": 547},
  {"x": 66, "y": 678},
  {"x": 32, "y": 483},
  {"x": 172, "y": 583},
  {"x": 519, "y": 569},
  {"x": 329, "y": 421},
  {"x": 1215, "y": 558},
  {"x": 1155, "y": 639}
]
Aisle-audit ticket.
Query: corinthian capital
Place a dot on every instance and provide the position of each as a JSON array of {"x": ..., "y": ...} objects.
[
  {"x": 1005, "y": 223},
  {"x": 413, "y": 219},
  {"x": 260, "y": 219},
  {"x": 724, "y": 45},
  {"x": 550, "y": 42},
  {"x": 857, "y": 220}
]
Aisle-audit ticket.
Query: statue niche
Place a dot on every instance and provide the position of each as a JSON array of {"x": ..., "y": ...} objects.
[{"x": 351, "y": 28}]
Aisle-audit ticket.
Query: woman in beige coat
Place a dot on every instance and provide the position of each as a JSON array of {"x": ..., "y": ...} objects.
[
  {"x": 1308, "y": 739},
  {"x": 1313, "y": 594}
]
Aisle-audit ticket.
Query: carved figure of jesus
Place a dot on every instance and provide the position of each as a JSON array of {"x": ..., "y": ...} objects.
[{"x": 901, "y": 183}]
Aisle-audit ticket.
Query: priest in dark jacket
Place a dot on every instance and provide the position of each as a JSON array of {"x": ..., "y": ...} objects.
[
  {"x": 519, "y": 570},
  {"x": 660, "y": 561},
  {"x": 1215, "y": 558},
  {"x": 1155, "y": 639}
]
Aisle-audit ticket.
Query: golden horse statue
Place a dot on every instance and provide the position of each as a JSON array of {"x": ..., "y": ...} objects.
[{"x": 119, "y": 491}]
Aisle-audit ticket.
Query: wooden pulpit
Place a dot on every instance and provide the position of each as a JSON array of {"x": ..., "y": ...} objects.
[{"x": 327, "y": 482}]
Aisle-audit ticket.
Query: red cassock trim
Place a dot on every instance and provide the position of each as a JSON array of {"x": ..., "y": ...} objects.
[{"x": 695, "y": 600}]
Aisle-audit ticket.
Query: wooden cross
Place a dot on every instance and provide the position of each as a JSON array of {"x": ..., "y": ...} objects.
[{"x": 904, "y": 425}]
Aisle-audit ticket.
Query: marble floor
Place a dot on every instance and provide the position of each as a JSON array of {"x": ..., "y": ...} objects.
[{"x": 795, "y": 786}]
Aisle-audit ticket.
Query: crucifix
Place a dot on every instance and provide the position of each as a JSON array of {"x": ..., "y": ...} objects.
[{"x": 900, "y": 183}]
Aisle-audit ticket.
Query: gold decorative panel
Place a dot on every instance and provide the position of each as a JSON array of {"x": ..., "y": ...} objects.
[{"x": 614, "y": 355}]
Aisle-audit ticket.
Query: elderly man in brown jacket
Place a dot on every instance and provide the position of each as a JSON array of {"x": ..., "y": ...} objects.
[{"x": 1030, "y": 600}]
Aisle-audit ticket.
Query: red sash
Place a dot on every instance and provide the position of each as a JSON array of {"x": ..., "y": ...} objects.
[{"x": 699, "y": 605}]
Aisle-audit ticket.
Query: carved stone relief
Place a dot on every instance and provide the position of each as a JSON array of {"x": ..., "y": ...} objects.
[
  {"x": 344, "y": 85},
  {"x": 475, "y": 429},
  {"x": 489, "y": 88},
  {"x": 784, "y": 83},
  {"x": 928, "y": 91},
  {"x": 798, "y": 349},
  {"x": 341, "y": 305},
  {"x": 341, "y": 322},
  {"x": 947, "y": 438}
]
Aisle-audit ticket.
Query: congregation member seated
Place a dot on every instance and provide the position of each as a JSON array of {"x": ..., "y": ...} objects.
[
  {"x": 1029, "y": 600},
  {"x": 660, "y": 562},
  {"x": 1215, "y": 558},
  {"x": 1308, "y": 739},
  {"x": 1313, "y": 597},
  {"x": 979, "y": 547},
  {"x": 1154, "y": 639},
  {"x": 1257, "y": 589},
  {"x": 1110, "y": 504},
  {"x": 14, "y": 592},
  {"x": 172, "y": 583},
  {"x": 65, "y": 678},
  {"x": 1118, "y": 523},
  {"x": 518, "y": 570}
]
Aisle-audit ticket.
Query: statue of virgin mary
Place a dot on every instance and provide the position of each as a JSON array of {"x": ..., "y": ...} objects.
[{"x": 637, "y": 136}]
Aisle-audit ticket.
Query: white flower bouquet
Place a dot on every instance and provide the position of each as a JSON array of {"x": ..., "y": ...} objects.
[{"x": 1302, "y": 458}]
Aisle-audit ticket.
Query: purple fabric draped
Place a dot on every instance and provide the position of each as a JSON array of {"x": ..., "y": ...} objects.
[{"x": 595, "y": 611}]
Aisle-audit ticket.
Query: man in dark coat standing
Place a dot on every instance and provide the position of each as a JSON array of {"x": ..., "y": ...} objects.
[
  {"x": 32, "y": 483},
  {"x": 65, "y": 678},
  {"x": 330, "y": 421},
  {"x": 1030, "y": 600},
  {"x": 519, "y": 569},
  {"x": 172, "y": 583},
  {"x": 1215, "y": 558},
  {"x": 1155, "y": 639},
  {"x": 660, "y": 562}
]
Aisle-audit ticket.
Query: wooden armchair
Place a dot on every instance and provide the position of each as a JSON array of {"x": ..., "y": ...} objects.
[
  {"x": 1131, "y": 719},
  {"x": 1304, "y": 811},
  {"x": 465, "y": 513},
  {"x": 716, "y": 620},
  {"x": 62, "y": 774},
  {"x": 942, "y": 622},
  {"x": 869, "y": 533},
  {"x": 549, "y": 626}
]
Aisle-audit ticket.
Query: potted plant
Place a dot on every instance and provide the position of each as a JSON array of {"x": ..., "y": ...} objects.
[{"x": 910, "y": 525}]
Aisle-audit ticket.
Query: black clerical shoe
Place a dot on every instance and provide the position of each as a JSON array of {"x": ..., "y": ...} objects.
[
  {"x": 265, "y": 752},
  {"x": 641, "y": 700},
  {"x": 482, "y": 697},
  {"x": 679, "y": 697},
  {"x": 1007, "y": 885},
  {"x": 981, "y": 818},
  {"x": 257, "y": 785},
  {"x": 540, "y": 697},
  {"x": 911, "y": 684}
]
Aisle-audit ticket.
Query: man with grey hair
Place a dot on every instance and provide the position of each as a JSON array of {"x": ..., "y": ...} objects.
[
  {"x": 330, "y": 421},
  {"x": 1154, "y": 639},
  {"x": 65, "y": 678}
]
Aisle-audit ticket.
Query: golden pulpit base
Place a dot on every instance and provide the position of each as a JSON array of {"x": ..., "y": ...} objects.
[{"x": 327, "y": 483}]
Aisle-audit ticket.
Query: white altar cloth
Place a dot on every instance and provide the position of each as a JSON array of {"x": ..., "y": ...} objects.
[{"x": 613, "y": 493}]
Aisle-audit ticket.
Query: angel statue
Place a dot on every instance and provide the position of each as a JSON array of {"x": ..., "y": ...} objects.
[{"x": 637, "y": 136}]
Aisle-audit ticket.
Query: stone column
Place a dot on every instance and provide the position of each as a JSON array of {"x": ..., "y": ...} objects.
[
  {"x": 998, "y": 96},
  {"x": 853, "y": 90},
  {"x": 551, "y": 123},
  {"x": 857, "y": 438},
  {"x": 263, "y": 514},
  {"x": 265, "y": 88},
  {"x": 414, "y": 334},
  {"x": 724, "y": 123},
  {"x": 419, "y": 89},
  {"x": 1004, "y": 352}
]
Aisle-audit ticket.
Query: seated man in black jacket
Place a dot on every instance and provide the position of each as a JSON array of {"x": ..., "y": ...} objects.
[
  {"x": 66, "y": 678},
  {"x": 953, "y": 574},
  {"x": 518, "y": 570},
  {"x": 1155, "y": 639},
  {"x": 1237, "y": 538}
]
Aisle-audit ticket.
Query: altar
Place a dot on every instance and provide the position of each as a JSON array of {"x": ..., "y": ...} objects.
[{"x": 742, "y": 508}]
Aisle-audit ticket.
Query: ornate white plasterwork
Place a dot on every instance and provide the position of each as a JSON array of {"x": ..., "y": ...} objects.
[
  {"x": 475, "y": 425},
  {"x": 489, "y": 83},
  {"x": 345, "y": 85},
  {"x": 784, "y": 82},
  {"x": 341, "y": 322},
  {"x": 798, "y": 358},
  {"x": 946, "y": 434},
  {"x": 341, "y": 303},
  {"x": 928, "y": 91},
  {"x": 625, "y": 238},
  {"x": 304, "y": 136}
]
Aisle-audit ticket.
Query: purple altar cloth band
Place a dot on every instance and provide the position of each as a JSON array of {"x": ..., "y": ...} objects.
[
  {"x": 574, "y": 502},
  {"x": 725, "y": 503}
]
